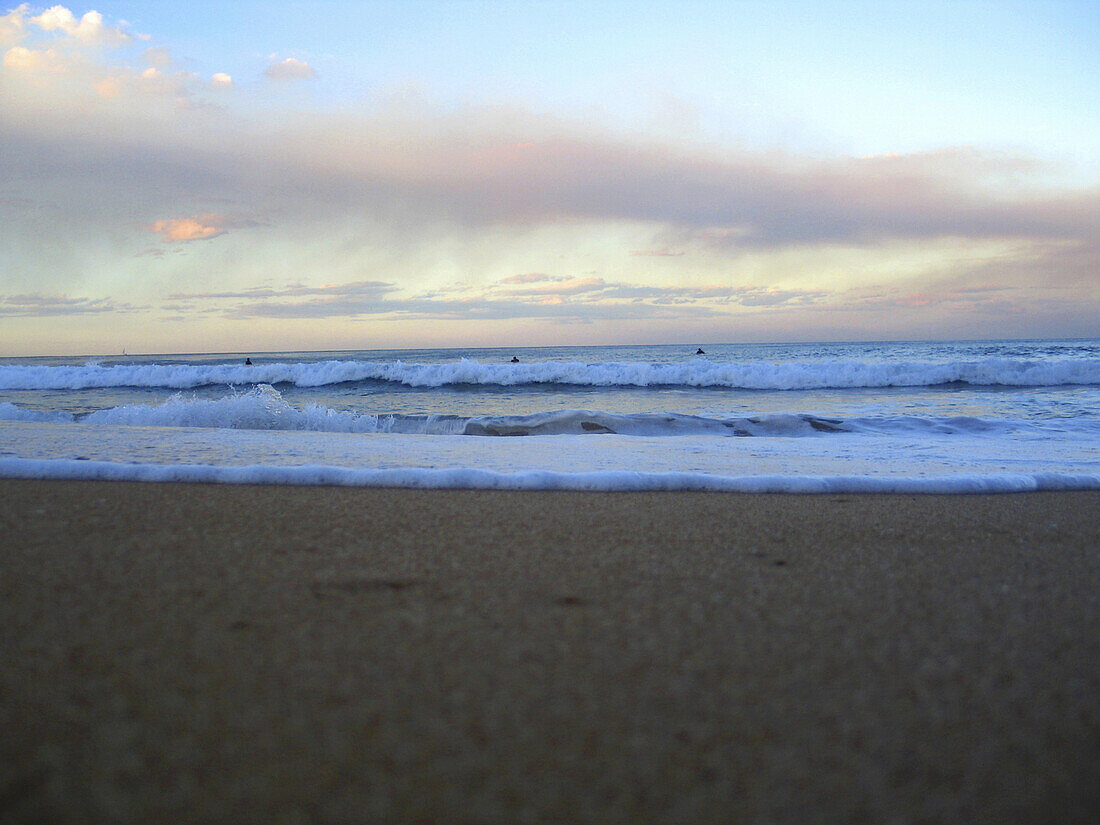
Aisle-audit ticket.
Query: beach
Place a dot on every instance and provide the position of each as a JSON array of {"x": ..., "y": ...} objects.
[{"x": 224, "y": 653}]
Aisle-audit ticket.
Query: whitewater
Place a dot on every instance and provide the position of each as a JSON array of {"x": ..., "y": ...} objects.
[{"x": 939, "y": 417}]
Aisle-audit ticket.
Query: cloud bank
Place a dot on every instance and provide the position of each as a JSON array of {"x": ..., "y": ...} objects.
[{"x": 36, "y": 305}]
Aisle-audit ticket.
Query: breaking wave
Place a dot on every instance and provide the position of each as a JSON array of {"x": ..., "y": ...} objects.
[
  {"x": 264, "y": 408},
  {"x": 695, "y": 373}
]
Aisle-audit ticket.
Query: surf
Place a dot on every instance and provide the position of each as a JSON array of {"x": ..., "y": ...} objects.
[{"x": 697, "y": 373}]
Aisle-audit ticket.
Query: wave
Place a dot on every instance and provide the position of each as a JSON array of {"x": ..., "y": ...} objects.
[
  {"x": 12, "y": 412},
  {"x": 695, "y": 373},
  {"x": 264, "y": 408},
  {"x": 539, "y": 479}
]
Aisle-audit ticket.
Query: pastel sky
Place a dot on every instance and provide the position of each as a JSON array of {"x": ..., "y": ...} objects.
[{"x": 250, "y": 176}]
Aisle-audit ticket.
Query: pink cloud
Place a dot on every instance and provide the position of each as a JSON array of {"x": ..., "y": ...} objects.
[{"x": 190, "y": 229}]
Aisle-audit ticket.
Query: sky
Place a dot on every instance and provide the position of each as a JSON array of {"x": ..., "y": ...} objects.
[{"x": 273, "y": 176}]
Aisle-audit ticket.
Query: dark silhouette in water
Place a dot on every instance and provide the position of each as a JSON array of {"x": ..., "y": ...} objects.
[
  {"x": 248, "y": 362},
  {"x": 515, "y": 360},
  {"x": 700, "y": 351}
]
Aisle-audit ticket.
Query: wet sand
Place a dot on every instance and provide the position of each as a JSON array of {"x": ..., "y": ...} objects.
[{"x": 201, "y": 653}]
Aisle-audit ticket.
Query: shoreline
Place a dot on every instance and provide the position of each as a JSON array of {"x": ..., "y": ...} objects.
[
  {"x": 199, "y": 653},
  {"x": 475, "y": 479}
]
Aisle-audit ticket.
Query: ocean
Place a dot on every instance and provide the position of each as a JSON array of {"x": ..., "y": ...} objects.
[{"x": 928, "y": 417}]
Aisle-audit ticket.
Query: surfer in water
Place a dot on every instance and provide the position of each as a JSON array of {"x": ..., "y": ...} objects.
[
  {"x": 515, "y": 360},
  {"x": 700, "y": 351},
  {"x": 248, "y": 362}
]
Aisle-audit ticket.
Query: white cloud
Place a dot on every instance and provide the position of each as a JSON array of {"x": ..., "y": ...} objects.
[
  {"x": 151, "y": 81},
  {"x": 89, "y": 29},
  {"x": 12, "y": 25},
  {"x": 107, "y": 81},
  {"x": 57, "y": 17},
  {"x": 289, "y": 69},
  {"x": 221, "y": 80},
  {"x": 55, "y": 44},
  {"x": 22, "y": 59}
]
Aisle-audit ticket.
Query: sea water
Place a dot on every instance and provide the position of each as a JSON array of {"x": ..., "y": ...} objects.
[{"x": 897, "y": 416}]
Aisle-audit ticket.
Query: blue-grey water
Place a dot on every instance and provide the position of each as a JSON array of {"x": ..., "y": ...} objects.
[{"x": 899, "y": 410}]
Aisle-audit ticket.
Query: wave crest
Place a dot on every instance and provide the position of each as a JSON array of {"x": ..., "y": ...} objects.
[
  {"x": 264, "y": 408},
  {"x": 695, "y": 373}
]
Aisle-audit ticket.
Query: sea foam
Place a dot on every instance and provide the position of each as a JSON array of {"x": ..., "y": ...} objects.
[
  {"x": 478, "y": 479},
  {"x": 264, "y": 408},
  {"x": 694, "y": 373},
  {"x": 13, "y": 412}
]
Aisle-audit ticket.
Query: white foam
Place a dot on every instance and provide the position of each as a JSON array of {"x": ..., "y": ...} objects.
[
  {"x": 12, "y": 412},
  {"x": 264, "y": 408},
  {"x": 261, "y": 408},
  {"x": 698, "y": 372},
  {"x": 477, "y": 479}
]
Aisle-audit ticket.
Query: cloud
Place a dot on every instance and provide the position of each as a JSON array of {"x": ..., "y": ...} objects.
[
  {"x": 568, "y": 286},
  {"x": 569, "y": 300},
  {"x": 468, "y": 309},
  {"x": 189, "y": 229},
  {"x": 595, "y": 290},
  {"x": 61, "y": 55},
  {"x": 355, "y": 288},
  {"x": 655, "y": 253},
  {"x": 467, "y": 170},
  {"x": 150, "y": 81},
  {"x": 530, "y": 278},
  {"x": 221, "y": 80},
  {"x": 89, "y": 29},
  {"x": 13, "y": 25},
  {"x": 38, "y": 305},
  {"x": 778, "y": 297},
  {"x": 755, "y": 201},
  {"x": 22, "y": 59},
  {"x": 157, "y": 56},
  {"x": 289, "y": 69},
  {"x": 938, "y": 297},
  {"x": 199, "y": 228},
  {"x": 748, "y": 296}
]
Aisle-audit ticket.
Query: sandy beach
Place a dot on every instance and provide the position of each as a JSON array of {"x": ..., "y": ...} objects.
[{"x": 201, "y": 653}]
